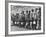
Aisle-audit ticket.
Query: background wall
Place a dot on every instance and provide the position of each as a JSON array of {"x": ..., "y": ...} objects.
[{"x": 2, "y": 18}]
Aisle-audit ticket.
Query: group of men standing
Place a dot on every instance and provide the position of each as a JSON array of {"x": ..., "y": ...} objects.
[{"x": 28, "y": 20}]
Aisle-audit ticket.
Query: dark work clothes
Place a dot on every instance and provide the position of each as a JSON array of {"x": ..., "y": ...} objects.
[{"x": 34, "y": 25}]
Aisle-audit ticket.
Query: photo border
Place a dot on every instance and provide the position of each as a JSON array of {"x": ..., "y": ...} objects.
[{"x": 6, "y": 17}]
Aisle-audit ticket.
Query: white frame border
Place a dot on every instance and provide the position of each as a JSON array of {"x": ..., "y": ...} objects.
[{"x": 24, "y": 32}]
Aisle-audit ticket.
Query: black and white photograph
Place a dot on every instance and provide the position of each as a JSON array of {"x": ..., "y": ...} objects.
[{"x": 24, "y": 18}]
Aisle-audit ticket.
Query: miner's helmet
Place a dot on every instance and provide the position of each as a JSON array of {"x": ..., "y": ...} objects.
[
  {"x": 37, "y": 9},
  {"x": 32, "y": 10},
  {"x": 26, "y": 11}
]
